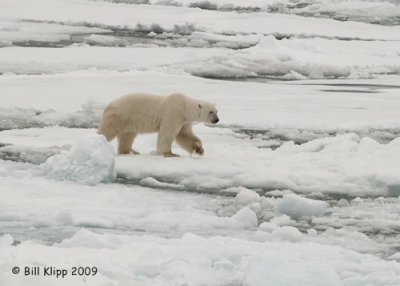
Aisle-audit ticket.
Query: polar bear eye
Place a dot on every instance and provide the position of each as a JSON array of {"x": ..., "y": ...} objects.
[{"x": 211, "y": 112}]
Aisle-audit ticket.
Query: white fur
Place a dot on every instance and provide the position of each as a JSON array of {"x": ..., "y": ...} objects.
[{"x": 170, "y": 116}]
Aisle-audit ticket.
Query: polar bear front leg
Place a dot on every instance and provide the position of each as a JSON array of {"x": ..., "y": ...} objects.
[
  {"x": 125, "y": 141},
  {"x": 166, "y": 136},
  {"x": 188, "y": 141}
]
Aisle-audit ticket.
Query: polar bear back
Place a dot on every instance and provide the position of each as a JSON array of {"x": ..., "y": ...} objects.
[{"x": 143, "y": 113}]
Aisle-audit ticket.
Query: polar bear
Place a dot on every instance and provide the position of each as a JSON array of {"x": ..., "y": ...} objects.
[{"x": 171, "y": 116}]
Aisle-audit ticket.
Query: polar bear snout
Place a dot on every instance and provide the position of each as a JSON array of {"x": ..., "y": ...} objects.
[{"x": 213, "y": 117}]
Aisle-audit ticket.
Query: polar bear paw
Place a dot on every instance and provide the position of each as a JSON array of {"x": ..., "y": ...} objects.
[
  {"x": 170, "y": 154},
  {"x": 198, "y": 148}
]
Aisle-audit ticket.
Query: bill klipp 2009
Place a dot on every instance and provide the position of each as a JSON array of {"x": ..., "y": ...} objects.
[{"x": 45, "y": 271}]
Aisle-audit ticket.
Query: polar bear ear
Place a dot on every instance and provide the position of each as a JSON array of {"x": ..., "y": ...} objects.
[{"x": 199, "y": 105}]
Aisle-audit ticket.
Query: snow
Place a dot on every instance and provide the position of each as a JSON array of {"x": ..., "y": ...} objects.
[
  {"x": 342, "y": 164},
  {"x": 368, "y": 11},
  {"x": 166, "y": 18},
  {"x": 161, "y": 261},
  {"x": 119, "y": 206},
  {"x": 293, "y": 58},
  {"x": 89, "y": 161},
  {"x": 299, "y": 183},
  {"x": 303, "y": 58},
  {"x": 18, "y": 31},
  {"x": 15, "y": 117},
  {"x": 212, "y": 44},
  {"x": 353, "y": 107},
  {"x": 6, "y": 240},
  {"x": 378, "y": 12},
  {"x": 288, "y": 233},
  {"x": 274, "y": 271},
  {"x": 328, "y": 165}
]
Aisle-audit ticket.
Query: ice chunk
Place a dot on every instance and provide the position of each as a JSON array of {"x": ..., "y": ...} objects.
[
  {"x": 6, "y": 240},
  {"x": 151, "y": 182},
  {"x": 90, "y": 161},
  {"x": 274, "y": 271},
  {"x": 101, "y": 40},
  {"x": 148, "y": 270},
  {"x": 288, "y": 233},
  {"x": 268, "y": 42},
  {"x": 64, "y": 217},
  {"x": 246, "y": 216},
  {"x": 312, "y": 232},
  {"x": 246, "y": 197},
  {"x": 296, "y": 206},
  {"x": 15, "y": 117},
  {"x": 268, "y": 227}
]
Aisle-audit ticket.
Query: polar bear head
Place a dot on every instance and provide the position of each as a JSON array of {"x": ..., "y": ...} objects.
[
  {"x": 197, "y": 110},
  {"x": 208, "y": 112}
]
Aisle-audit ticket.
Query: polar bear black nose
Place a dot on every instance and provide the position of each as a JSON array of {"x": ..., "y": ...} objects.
[{"x": 215, "y": 120}]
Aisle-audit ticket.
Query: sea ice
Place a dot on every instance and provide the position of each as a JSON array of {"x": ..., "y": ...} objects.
[
  {"x": 246, "y": 197},
  {"x": 266, "y": 271},
  {"x": 246, "y": 216},
  {"x": 194, "y": 221},
  {"x": 287, "y": 233},
  {"x": 296, "y": 206},
  {"x": 90, "y": 161}
]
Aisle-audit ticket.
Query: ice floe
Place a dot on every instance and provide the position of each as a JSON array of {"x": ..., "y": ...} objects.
[{"x": 89, "y": 161}]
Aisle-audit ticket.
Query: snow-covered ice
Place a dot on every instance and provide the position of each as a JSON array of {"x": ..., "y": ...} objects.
[
  {"x": 296, "y": 206},
  {"x": 246, "y": 197},
  {"x": 275, "y": 271},
  {"x": 90, "y": 161},
  {"x": 246, "y": 216},
  {"x": 343, "y": 164},
  {"x": 297, "y": 58},
  {"x": 299, "y": 182}
]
